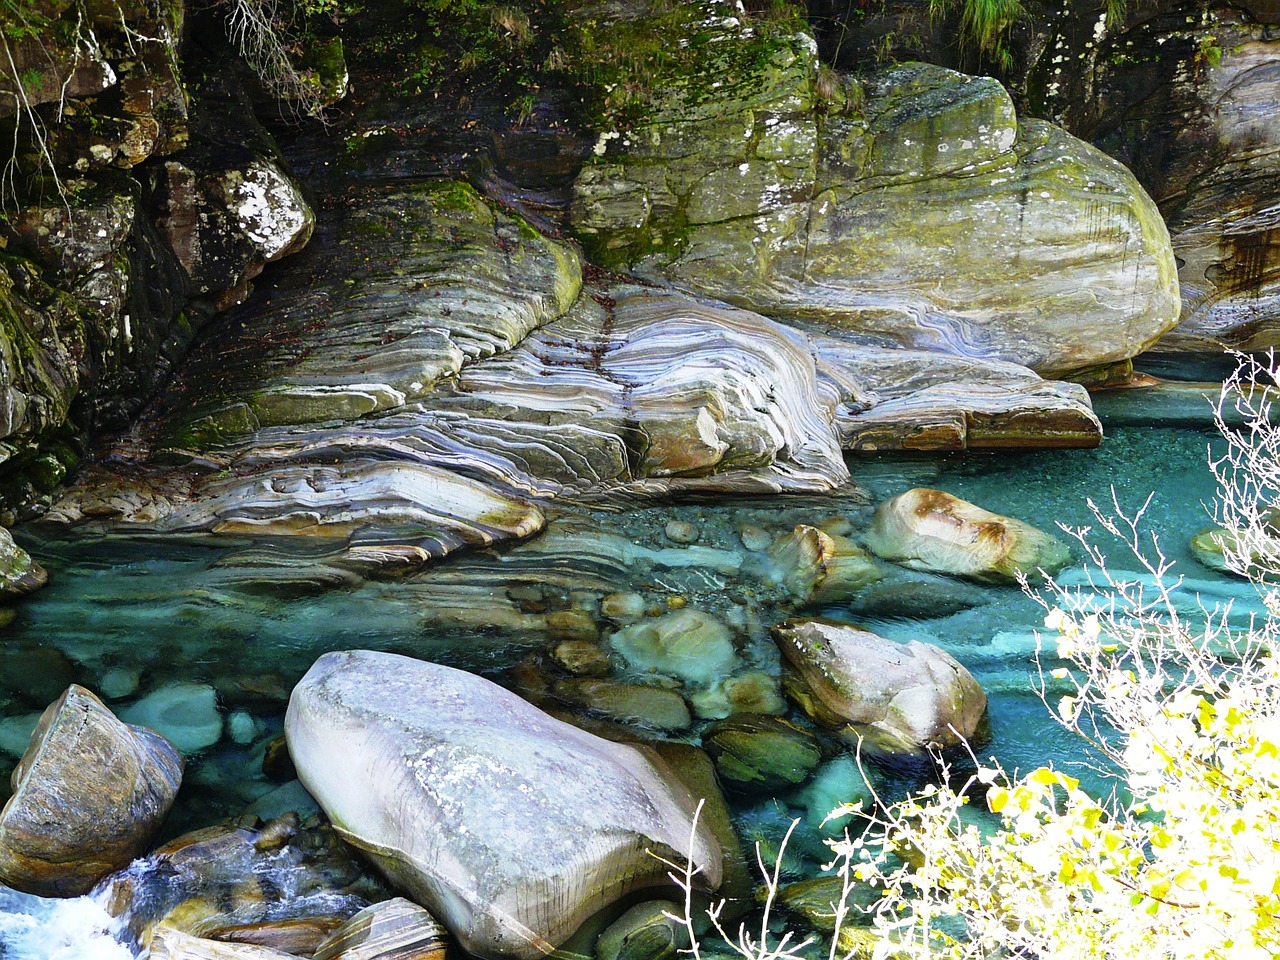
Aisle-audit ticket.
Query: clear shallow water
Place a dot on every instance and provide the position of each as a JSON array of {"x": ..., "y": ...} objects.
[{"x": 128, "y": 617}]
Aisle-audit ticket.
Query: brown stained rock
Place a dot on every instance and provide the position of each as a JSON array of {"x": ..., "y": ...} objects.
[
  {"x": 933, "y": 531},
  {"x": 89, "y": 794},
  {"x": 583, "y": 658}
]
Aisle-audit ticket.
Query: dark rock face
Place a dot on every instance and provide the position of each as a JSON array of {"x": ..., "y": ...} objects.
[
  {"x": 132, "y": 219},
  {"x": 89, "y": 794}
]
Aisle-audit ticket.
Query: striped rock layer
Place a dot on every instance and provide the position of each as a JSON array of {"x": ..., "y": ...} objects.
[{"x": 451, "y": 378}]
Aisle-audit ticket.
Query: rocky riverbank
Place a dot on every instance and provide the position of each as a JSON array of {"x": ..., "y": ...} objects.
[{"x": 695, "y": 263}]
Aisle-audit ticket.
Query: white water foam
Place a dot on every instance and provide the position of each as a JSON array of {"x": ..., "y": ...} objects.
[{"x": 36, "y": 928}]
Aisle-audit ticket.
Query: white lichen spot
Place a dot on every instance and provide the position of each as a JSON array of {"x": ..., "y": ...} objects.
[
  {"x": 268, "y": 207},
  {"x": 602, "y": 142}
]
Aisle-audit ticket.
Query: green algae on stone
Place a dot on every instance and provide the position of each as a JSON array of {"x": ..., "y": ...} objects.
[
  {"x": 761, "y": 753},
  {"x": 428, "y": 278},
  {"x": 931, "y": 218},
  {"x": 19, "y": 574}
]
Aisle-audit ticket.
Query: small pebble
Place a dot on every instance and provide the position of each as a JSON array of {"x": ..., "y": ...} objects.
[
  {"x": 623, "y": 607},
  {"x": 681, "y": 531},
  {"x": 754, "y": 538},
  {"x": 242, "y": 728},
  {"x": 582, "y": 658},
  {"x": 572, "y": 625},
  {"x": 676, "y": 602}
]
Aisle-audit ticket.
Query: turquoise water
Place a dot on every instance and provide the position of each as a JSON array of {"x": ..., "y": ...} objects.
[{"x": 129, "y": 617}]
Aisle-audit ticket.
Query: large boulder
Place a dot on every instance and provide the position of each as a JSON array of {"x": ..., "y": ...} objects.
[
  {"x": 896, "y": 698},
  {"x": 928, "y": 217},
  {"x": 510, "y": 826},
  {"x": 932, "y": 530},
  {"x": 88, "y": 796}
]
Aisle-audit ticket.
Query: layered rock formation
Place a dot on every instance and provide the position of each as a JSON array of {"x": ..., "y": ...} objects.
[
  {"x": 418, "y": 765},
  {"x": 429, "y": 399}
]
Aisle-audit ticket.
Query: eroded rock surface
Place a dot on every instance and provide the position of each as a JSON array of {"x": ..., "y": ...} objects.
[
  {"x": 473, "y": 801},
  {"x": 902, "y": 698},
  {"x": 88, "y": 796}
]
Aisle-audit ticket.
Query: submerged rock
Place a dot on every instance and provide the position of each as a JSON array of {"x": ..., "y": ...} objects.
[
  {"x": 817, "y": 567},
  {"x": 582, "y": 658},
  {"x": 689, "y": 644},
  {"x": 935, "y": 532},
  {"x": 88, "y": 796},
  {"x": 1219, "y": 549},
  {"x": 916, "y": 599},
  {"x": 394, "y": 929},
  {"x": 510, "y": 826},
  {"x": 185, "y": 713},
  {"x": 761, "y": 753},
  {"x": 751, "y": 691},
  {"x": 655, "y": 708},
  {"x": 902, "y": 698},
  {"x": 645, "y": 932}
]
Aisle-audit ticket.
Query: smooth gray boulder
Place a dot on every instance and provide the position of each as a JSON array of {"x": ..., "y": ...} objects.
[
  {"x": 88, "y": 796},
  {"x": 510, "y": 826}
]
